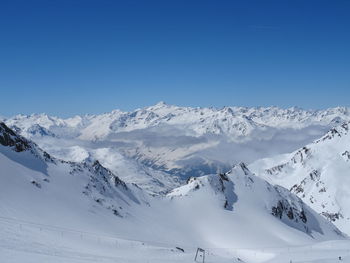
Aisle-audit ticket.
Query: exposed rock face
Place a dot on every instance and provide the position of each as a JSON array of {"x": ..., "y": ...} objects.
[
  {"x": 284, "y": 208},
  {"x": 9, "y": 138}
]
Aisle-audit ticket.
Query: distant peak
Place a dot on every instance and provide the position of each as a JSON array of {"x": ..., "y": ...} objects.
[
  {"x": 295, "y": 108},
  {"x": 161, "y": 104},
  {"x": 241, "y": 167}
]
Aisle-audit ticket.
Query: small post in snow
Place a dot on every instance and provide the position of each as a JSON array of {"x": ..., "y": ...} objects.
[{"x": 200, "y": 253}]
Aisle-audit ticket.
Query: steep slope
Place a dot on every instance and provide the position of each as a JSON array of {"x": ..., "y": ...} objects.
[
  {"x": 318, "y": 173},
  {"x": 42, "y": 183},
  {"x": 248, "y": 200}
]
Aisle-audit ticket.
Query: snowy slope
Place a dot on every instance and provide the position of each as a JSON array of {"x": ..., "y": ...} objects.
[
  {"x": 65, "y": 201},
  {"x": 128, "y": 169},
  {"x": 248, "y": 199},
  {"x": 43, "y": 183},
  {"x": 318, "y": 173}
]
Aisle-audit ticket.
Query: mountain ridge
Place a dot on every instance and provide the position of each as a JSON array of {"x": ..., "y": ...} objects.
[
  {"x": 162, "y": 113},
  {"x": 317, "y": 173},
  {"x": 163, "y": 140}
]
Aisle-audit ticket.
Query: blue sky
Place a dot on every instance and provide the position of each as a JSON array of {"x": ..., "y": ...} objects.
[{"x": 73, "y": 57}]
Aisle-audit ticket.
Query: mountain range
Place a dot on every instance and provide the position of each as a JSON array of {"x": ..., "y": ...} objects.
[
  {"x": 215, "y": 178},
  {"x": 180, "y": 141}
]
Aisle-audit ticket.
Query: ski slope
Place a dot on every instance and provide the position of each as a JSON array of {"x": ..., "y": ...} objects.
[{"x": 26, "y": 242}]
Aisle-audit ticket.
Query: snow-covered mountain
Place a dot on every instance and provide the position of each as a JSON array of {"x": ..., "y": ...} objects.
[
  {"x": 319, "y": 173},
  {"x": 181, "y": 141},
  {"x": 231, "y": 121},
  {"x": 251, "y": 198},
  {"x": 215, "y": 211},
  {"x": 46, "y": 183}
]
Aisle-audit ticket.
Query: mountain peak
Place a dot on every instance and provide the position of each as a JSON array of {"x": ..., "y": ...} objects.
[
  {"x": 161, "y": 104},
  {"x": 239, "y": 168}
]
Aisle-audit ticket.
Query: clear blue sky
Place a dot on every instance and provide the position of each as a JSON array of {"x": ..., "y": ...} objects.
[{"x": 72, "y": 57}]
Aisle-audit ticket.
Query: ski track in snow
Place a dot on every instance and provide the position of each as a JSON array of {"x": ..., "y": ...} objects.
[{"x": 34, "y": 243}]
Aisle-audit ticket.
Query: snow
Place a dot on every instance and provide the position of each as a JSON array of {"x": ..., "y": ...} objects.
[
  {"x": 65, "y": 245},
  {"x": 133, "y": 205},
  {"x": 58, "y": 220},
  {"x": 233, "y": 121},
  {"x": 318, "y": 173},
  {"x": 181, "y": 141}
]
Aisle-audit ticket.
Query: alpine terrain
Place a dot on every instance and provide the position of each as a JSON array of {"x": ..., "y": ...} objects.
[{"x": 156, "y": 184}]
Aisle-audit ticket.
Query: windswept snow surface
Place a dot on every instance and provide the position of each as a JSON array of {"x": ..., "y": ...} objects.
[{"x": 58, "y": 211}]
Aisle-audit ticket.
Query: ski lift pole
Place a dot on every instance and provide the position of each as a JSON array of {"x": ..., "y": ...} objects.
[{"x": 201, "y": 253}]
